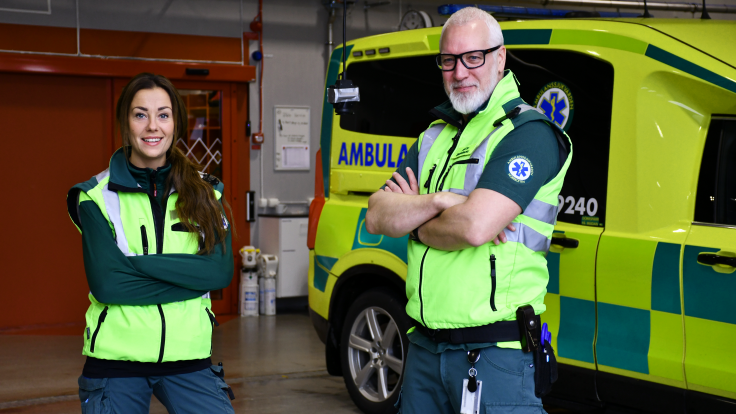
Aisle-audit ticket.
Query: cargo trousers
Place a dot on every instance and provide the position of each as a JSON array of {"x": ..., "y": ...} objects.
[
  {"x": 433, "y": 383},
  {"x": 196, "y": 392}
]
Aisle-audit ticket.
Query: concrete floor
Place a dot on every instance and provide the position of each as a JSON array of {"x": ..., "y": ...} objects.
[{"x": 273, "y": 364}]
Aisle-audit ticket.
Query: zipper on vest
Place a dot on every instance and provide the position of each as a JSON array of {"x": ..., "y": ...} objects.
[
  {"x": 455, "y": 140},
  {"x": 101, "y": 319},
  {"x": 468, "y": 161},
  {"x": 158, "y": 215},
  {"x": 163, "y": 333},
  {"x": 144, "y": 240},
  {"x": 421, "y": 301},
  {"x": 212, "y": 317},
  {"x": 429, "y": 179},
  {"x": 493, "y": 282}
]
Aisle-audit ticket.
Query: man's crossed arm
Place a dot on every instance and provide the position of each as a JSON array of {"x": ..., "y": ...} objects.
[{"x": 445, "y": 220}]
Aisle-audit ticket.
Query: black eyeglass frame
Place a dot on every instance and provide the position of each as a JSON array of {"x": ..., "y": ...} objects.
[{"x": 460, "y": 58}]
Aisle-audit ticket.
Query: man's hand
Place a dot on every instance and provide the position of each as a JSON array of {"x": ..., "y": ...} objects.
[
  {"x": 410, "y": 188},
  {"x": 501, "y": 238}
]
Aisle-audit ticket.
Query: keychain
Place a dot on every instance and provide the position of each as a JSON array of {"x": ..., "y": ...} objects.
[{"x": 470, "y": 400}]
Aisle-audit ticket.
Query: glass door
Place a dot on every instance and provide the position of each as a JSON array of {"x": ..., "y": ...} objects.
[{"x": 203, "y": 144}]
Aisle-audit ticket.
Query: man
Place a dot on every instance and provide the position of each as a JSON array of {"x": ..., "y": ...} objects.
[{"x": 489, "y": 162}]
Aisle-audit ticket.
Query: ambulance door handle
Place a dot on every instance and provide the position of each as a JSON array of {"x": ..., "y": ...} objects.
[
  {"x": 565, "y": 242},
  {"x": 709, "y": 259}
]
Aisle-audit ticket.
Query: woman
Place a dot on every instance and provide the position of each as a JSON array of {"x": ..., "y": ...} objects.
[{"x": 155, "y": 242}]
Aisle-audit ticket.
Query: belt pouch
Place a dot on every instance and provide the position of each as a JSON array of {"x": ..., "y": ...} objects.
[{"x": 545, "y": 373}]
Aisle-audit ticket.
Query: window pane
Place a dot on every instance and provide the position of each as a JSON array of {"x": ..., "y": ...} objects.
[
  {"x": 586, "y": 119},
  {"x": 396, "y": 96},
  {"x": 715, "y": 201},
  {"x": 203, "y": 141},
  {"x": 726, "y": 184}
]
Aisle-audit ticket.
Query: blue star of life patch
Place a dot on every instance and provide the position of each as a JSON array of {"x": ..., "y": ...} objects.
[
  {"x": 556, "y": 102},
  {"x": 520, "y": 168}
]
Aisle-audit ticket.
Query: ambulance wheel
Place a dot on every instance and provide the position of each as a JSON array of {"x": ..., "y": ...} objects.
[{"x": 373, "y": 350}]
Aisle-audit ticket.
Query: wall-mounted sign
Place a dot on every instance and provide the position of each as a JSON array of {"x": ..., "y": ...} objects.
[{"x": 291, "y": 129}]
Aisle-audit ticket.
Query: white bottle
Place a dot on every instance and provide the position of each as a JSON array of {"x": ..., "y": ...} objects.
[
  {"x": 248, "y": 293},
  {"x": 270, "y": 296},
  {"x": 262, "y": 295}
]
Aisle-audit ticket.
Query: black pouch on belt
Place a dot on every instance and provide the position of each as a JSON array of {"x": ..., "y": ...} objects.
[
  {"x": 545, "y": 371},
  {"x": 530, "y": 330}
]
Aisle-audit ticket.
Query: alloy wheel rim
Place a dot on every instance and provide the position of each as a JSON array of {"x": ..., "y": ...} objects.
[{"x": 375, "y": 354}]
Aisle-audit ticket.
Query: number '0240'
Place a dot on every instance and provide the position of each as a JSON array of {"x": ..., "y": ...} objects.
[{"x": 590, "y": 208}]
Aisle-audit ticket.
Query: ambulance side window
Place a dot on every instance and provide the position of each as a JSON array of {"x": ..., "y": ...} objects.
[
  {"x": 715, "y": 201},
  {"x": 396, "y": 96},
  {"x": 576, "y": 92}
]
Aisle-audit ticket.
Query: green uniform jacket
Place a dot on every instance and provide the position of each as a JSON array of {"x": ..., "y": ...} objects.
[
  {"x": 456, "y": 289},
  {"x": 148, "y": 287}
]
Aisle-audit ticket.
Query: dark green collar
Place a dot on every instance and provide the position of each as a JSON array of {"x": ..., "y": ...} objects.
[
  {"x": 447, "y": 113},
  {"x": 124, "y": 176},
  {"x": 144, "y": 176}
]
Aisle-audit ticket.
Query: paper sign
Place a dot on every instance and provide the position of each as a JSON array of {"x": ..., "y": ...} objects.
[{"x": 291, "y": 129}]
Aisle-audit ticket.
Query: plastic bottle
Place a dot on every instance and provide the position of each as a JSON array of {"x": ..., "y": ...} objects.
[{"x": 248, "y": 293}]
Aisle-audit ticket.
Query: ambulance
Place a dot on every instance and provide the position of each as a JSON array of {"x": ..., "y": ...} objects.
[{"x": 641, "y": 299}]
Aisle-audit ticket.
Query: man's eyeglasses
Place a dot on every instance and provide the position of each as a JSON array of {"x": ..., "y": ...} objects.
[{"x": 471, "y": 60}]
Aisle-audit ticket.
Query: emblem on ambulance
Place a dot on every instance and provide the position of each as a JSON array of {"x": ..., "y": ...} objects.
[
  {"x": 520, "y": 169},
  {"x": 556, "y": 102}
]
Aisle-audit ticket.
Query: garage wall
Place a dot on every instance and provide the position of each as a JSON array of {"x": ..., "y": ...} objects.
[{"x": 41, "y": 249}]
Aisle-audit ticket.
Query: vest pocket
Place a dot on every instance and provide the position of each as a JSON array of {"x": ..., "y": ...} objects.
[
  {"x": 441, "y": 184},
  {"x": 163, "y": 334},
  {"x": 213, "y": 321},
  {"x": 429, "y": 179},
  {"x": 493, "y": 282},
  {"x": 144, "y": 240},
  {"x": 100, "y": 320}
]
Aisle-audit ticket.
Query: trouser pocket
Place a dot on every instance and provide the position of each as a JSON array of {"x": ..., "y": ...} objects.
[
  {"x": 220, "y": 374},
  {"x": 92, "y": 395}
]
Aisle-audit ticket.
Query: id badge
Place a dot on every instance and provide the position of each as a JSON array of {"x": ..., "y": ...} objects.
[{"x": 470, "y": 401}]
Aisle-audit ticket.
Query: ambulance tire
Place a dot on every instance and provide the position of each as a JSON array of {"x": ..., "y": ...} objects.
[{"x": 364, "y": 358}]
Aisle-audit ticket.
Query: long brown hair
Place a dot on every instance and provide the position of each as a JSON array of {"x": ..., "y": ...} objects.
[{"x": 197, "y": 202}]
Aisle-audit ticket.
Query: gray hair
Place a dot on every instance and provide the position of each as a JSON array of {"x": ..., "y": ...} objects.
[{"x": 471, "y": 14}]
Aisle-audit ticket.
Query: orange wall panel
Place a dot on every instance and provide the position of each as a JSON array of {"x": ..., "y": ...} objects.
[
  {"x": 56, "y": 133},
  {"x": 38, "y": 38},
  {"x": 159, "y": 45}
]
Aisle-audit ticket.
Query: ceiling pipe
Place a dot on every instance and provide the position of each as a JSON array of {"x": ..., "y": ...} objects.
[{"x": 651, "y": 5}]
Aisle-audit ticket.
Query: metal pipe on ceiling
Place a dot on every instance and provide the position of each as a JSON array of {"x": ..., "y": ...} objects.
[{"x": 652, "y": 5}]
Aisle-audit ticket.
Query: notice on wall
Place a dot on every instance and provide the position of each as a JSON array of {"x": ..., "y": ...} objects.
[{"x": 291, "y": 128}]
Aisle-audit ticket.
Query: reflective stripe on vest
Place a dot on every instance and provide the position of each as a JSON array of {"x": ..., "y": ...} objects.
[
  {"x": 112, "y": 207},
  {"x": 430, "y": 135},
  {"x": 529, "y": 237},
  {"x": 544, "y": 212}
]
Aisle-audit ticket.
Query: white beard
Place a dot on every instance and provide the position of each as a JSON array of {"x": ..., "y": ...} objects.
[{"x": 467, "y": 103}]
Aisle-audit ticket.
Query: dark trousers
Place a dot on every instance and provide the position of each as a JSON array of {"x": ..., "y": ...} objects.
[
  {"x": 433, "y": 382},
  {"x": 197, "y": 392}
]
